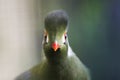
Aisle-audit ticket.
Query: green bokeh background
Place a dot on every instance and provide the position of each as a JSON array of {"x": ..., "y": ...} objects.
[{"x": 94, "y": 33}]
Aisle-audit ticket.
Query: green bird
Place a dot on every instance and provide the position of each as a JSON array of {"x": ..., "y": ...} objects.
[{"x": 59, "y": 62}]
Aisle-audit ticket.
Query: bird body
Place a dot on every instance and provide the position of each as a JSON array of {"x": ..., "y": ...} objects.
[{"x": 60, "y": 62}]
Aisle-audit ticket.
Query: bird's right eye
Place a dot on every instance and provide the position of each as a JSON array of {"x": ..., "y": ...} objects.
[{"x": 45, "y": 37}]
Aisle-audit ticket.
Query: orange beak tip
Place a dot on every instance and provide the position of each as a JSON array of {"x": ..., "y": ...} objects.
[{"x": 55, "y": 46}]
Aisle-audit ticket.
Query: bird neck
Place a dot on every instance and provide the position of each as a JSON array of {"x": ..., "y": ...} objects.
[
  {"x": 57, "y": 58},
  {"x": 60, "y": 60}
]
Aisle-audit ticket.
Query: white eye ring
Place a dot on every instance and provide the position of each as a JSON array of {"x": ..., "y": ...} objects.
[{"x": 64, "y": 37}]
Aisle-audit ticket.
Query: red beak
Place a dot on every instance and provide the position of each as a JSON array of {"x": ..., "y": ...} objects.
[{"x": 55, "y": 46}]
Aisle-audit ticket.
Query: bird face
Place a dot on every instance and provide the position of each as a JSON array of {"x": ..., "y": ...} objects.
[{"x": 55, "y": 42}]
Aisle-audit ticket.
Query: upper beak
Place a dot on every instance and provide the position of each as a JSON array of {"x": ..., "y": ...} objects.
[{"x": 55, "y": 46}]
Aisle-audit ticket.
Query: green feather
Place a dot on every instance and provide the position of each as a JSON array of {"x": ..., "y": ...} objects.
[{"x": 56, "y": 21}]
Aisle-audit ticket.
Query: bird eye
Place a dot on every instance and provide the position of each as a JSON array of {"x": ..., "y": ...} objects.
[
  {"x": 45, "y": 37},
  {"x": 65, "y": 35},
  {"x": 64, "y": 38}
]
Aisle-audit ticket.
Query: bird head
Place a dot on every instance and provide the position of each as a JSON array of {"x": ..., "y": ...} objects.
[{"x": 55, "y": 43}]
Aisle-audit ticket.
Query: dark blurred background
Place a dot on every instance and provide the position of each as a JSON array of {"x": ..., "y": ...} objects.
[{"x": 94, "y": 34}]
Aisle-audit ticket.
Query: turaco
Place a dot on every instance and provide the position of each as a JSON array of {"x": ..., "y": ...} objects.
[{"x": 59, "y": 62}]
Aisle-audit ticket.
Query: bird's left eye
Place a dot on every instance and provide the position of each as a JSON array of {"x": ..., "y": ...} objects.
[{"x": 65, "y": 36}]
